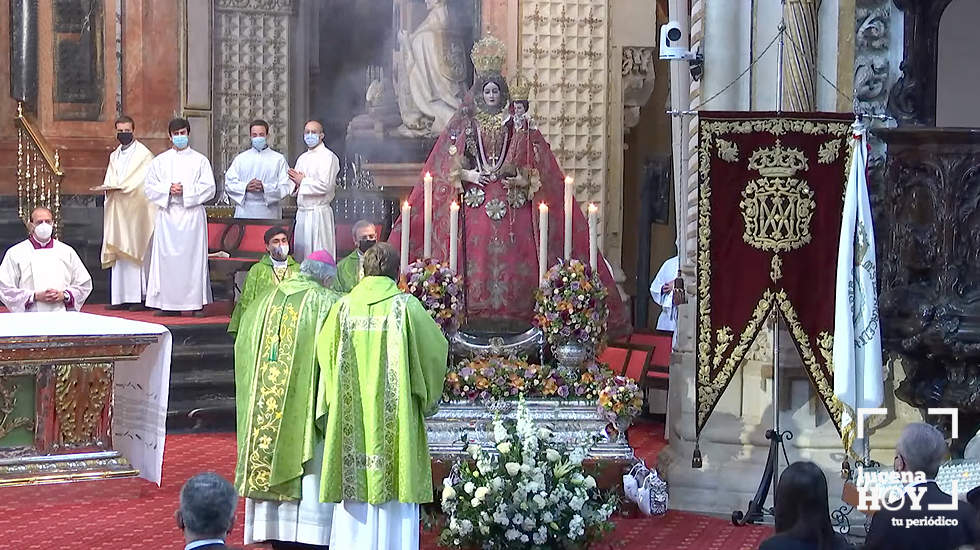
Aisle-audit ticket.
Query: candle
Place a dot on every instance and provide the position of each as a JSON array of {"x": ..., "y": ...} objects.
[
  {"x": 427, "y": 220},
  {"x": 593, "y": 236},
  {"x": 406, "y": 214},
  {"x": 569, "y": 204},
  {"x": 542, "y": 240},
  {"x": 453, "y": 232}
]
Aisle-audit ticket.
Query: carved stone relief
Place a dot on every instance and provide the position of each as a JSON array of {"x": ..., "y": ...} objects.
[
  {"x": 251, "y": 77},
  {"x": 638, "y": 83}
]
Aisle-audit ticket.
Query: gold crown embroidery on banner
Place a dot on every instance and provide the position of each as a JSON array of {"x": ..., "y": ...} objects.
[
  {"x": 488, "y": 55},
  {"x": 778, "y": 161},
  {"x": 520, "y": 90}
]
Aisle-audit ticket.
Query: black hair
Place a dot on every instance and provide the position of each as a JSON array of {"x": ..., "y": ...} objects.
[
  {"x": 273, "y": 231},
  {"x": 178, "y": 124},
  {"x": 259, "y": 122},
  {"x": 124, "y": 120},
  {"x": 802, "y": 509}
]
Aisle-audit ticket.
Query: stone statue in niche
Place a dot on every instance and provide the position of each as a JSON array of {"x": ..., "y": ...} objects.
[
  {"x": 638, "y": 82},
  {"x": 429, "y": 72}
]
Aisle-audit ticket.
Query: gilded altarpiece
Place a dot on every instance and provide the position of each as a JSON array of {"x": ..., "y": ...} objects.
[
  {"x": 251, "y": 72},
  {"x": 769, "y": 216},
  {"x": 564, "y": 55}
]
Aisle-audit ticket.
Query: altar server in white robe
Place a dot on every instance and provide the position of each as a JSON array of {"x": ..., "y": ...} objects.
[
  {"x": 315, "y": 179},
  {"x": 257, "y": 180},
  {"x": 662, "y": 291},
  {"x": 41, "y": 273},
  {"x": 179, "y": 181},
  {"x": 128, "y": 219}
]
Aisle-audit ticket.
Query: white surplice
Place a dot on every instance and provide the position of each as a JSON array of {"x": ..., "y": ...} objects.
[
  {"x": 128, "y": 281},
  {"x": 390, "y": 526},
  {"x": 306, "y": 521},
  {"x": 314, "y": 215},
  {"x": 267, "y": 166},
  {"x": 26, "y": 270},
  {"x": 179, "y": 279},
  {"x": 668, "y": 314}
]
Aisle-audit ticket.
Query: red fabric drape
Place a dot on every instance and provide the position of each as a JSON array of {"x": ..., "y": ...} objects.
[{"x": 770, "y": 199}]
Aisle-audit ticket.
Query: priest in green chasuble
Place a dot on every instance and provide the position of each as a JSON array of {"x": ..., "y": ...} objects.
[
  {"x": 274, "y": 268},
  {"x": 350, "y": 270},
  {"x": 276, "y": 378},
  {"x": 382, "y": 368}
]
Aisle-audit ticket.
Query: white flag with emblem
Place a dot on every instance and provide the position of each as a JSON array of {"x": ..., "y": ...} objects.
[{"x": 858, "y": 373}]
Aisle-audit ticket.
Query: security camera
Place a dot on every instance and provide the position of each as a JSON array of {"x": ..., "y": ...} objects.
[{"x": 673, "y": 42}]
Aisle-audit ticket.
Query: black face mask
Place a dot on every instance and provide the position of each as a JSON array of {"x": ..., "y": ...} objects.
[
  {"x": 364, "y": 244},
  {"x": 125, "y": 138}
]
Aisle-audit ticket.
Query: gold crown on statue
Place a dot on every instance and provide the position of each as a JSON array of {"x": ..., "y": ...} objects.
[
  {"x": 520, "y": 90},
  {"x": 488, "y": 55},
  {"x": 778, "y": 161}
]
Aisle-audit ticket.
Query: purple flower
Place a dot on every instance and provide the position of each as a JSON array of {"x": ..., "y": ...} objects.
[
  {"x": 563, "y": 391},
  {"x": 466, "y": 372},
  {"x": 488, "y": 371}
]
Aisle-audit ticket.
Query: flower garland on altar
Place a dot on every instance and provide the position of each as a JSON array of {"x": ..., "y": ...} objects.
[
  {"x": 570, "y": 306},
  {"x": 534, "y": 494},
  {"x": 495, "y": 377},
  {"x": 439, "y": 289}
]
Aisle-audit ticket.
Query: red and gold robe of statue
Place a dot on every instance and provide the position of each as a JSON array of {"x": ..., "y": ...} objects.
[{"x": 498, "y": 248}]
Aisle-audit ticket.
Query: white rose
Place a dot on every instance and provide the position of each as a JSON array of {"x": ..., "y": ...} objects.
[
  {"x": 525, "y": 468},
  {"x": 469, "y": 487},
  {"x": 544, "y": 433},
  {"x": 482, "y": 492},
  {"x": 476, "y": 502},
  {"x": 473, "y": 449},
  {"x": 553, "y": 455},
  {"x": 590, "y": 482},
  {"x": 512, "y": 468},
  {"x": 448, "y": 493},
  {"x": 504, "y": 447}
]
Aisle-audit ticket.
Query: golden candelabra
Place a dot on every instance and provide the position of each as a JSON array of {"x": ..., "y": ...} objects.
[{"x": 39, "y": 171}]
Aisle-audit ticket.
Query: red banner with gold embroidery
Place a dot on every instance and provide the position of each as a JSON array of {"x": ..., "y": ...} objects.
[{"x": 769, "y": 217}]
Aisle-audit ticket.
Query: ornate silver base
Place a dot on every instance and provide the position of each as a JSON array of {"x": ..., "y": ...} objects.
[
  {"x": 572, "y": 422},
  {"x": 62, "y": 468}
]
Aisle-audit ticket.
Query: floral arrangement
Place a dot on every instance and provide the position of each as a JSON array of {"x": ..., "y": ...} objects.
[
  {"x": 486, "y": 378},
  {"x": 439, "y": 289},
  {"x": 570, "y": 305},
  {"x": 534, "y": 494},
  {"x": 620, "y": 399}
]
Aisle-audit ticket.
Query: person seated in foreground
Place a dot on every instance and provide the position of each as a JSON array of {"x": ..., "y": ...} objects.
[
  {"x": 922, "y": 448},
  {"x": 42, "y": 273},
  {"x": 802, "y": 512},
  {"x": 274, "y": 268},
  {"x": 207, "y": 511}
]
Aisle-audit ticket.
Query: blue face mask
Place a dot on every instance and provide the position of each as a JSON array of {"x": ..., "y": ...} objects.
[
  {"x": 258, "y": 142},
  {"x": 311, "y": 139},
  {"x": 180, "y": 141}
]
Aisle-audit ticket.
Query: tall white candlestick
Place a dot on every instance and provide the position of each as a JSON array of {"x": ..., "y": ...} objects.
[
  {"x": 453, "y": 233},
  {"x": 427, "y": 220},
  {"x": 542, "y": 241},
  {"x": 406, "y": 214},
  {"x": 569, "y": 204},
  {"x": 593, "y": 236}
]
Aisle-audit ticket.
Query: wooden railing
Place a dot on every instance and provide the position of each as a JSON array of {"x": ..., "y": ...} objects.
[{"x": 39, "y": 171}]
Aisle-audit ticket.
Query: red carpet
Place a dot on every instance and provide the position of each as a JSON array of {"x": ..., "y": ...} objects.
[{"x": 134, "y": 514}]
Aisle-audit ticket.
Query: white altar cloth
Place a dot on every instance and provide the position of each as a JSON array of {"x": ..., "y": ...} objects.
[{"x": 141, "y": 387}]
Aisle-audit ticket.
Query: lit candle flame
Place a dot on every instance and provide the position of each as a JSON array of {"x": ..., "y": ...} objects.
[
  {"x": 593, "y": 207},
  {"x": 568, "y": 180},
  {"x": 543, "y": 207}
]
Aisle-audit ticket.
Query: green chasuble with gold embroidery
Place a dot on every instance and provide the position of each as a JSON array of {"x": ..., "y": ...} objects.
[
  {"x": 348, "y": 273},
  {"x": 275, "y": 387},
  {"x": 262, "y": 277},
  {"x": 382, "y": 365}
]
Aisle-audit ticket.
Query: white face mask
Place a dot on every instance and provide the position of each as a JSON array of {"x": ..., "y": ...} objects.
[
  {"x": 42, "y": 231},
  {"x": 280, "y": 252}
]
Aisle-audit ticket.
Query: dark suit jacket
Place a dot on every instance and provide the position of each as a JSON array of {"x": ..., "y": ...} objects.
[
  {"x": 787, "y": 542},
  {"x": 884, "y": 534}
]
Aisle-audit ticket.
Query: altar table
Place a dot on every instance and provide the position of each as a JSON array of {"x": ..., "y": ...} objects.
[{"x": 82, "y": 396}]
